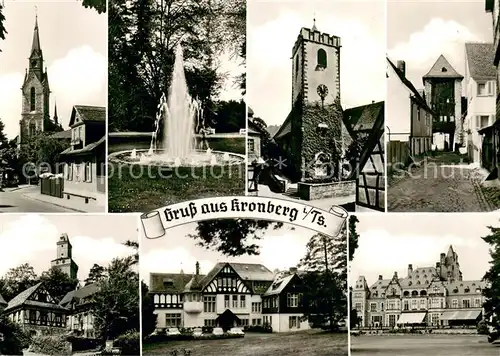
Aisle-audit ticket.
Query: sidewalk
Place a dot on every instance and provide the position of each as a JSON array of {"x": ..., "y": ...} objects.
[{"x": 71, "y": 204}]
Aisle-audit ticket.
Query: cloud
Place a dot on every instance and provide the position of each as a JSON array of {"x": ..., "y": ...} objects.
[
  {"x": 10, "y": 102},
  {"x": 381, "y": 252},
  {"x": 283, "y": 251},
  {"x": 269, "y": 65}
]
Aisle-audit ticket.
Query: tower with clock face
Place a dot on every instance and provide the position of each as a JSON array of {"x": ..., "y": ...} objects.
[
  {"x": 312, "y": 132},
  {"x": 35, "y": 93}
]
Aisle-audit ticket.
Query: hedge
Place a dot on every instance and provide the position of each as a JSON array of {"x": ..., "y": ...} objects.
[
  {"x": 50, "y": 345},
  {"x": 128, "y": 343}
]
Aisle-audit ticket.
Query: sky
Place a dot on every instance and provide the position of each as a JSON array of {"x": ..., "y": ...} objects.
[
  {"x": 389, "y": 242},
  {"x": 32, "y": 239},
  {"x": 74, "y": 44},
  {"x": 272, "y": 29},
  {"x": 418, "y": 32},
  {"x": 280, "y": 249}
]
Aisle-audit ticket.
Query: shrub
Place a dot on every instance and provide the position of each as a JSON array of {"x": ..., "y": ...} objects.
[
  {"x": 482, "y": 328},
  {"x": 14, "y": 339},
  {"x": 129, "y": 343},
  {"x": 258, "y": 328},
  {"x": 50, "y": 345},
  {"x": 82, "y": 343}
]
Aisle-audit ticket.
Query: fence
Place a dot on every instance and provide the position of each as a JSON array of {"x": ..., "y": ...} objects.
[
  {"x": 53, "y": 186},
  {"x": 398, "y": 155}
]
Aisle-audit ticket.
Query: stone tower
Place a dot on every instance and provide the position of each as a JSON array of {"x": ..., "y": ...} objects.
[
  {"x": 64, "y": 259},
  {"x": 311, "y": 136},
  {"x": 449, "y": 268},
  {"x": 359, "y": 300},
  {"x": 35, "y": 92},
  {"x": 443, "y": 93}
]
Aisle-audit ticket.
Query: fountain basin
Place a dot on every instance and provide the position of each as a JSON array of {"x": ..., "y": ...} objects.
[{"x": 159, "y": 159}]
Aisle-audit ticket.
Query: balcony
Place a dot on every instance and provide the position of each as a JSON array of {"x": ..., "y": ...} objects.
[{"x": 193, "y": 307}]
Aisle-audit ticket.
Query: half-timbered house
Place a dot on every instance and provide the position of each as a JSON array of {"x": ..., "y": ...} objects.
[
  {"x": 35, "y": 310},
  {"x": 79, "y": 304},
  {"x": 231, "y": 294}
]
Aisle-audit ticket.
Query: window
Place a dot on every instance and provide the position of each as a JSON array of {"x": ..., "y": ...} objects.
[
  {"x": 256, "y": 321},
  {"x": 243, "y": 301},
  {"x": 235, "y": 301},
  {"x": 226, "y": 301},
  {"x": 209, "y": 322},
  {"x": 88, "y": 172},
  {"x": 275, "y": 302},
  {"x": 209, "y": 304},
  {"x": 435, "y": 319},
  {"x": 414, "y": 304},
  {"x": 484, "y": 88},
  {"x": 69, "y": 171},
  {"x": 243, "y": 322},
  {"x": 482, "y": 121},
  {"x": 422, "y": 303},
  {"x": 406, "y": 306},
  {"x": 292, "y": 322},
  {"x": 322, "y": 61},
  {"x": 43, "y": 317},
  {"x": 477, "y": 303},
  {"x": 251, "y": 145},
  {"x": 292, "y": 300},
  {"x": 357, "y": 306},
  {"x": 454, "y": 303},
  {"x": 418, "y": 118},
  {"x": 173, "y": 320},
  {"x": 32, "y": 99},
  {"x": 466, "y": 303},
  {"x": 256, "y": 307},
  {"x": 373, "y": 307}
]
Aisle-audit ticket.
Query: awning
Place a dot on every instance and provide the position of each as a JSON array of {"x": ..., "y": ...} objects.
[
  {"x": 461, "y": 315},
  {"x": 411, "y": 318}
]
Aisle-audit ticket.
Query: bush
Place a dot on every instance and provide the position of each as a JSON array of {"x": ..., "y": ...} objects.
[
  {"x": 50, "y": 345},
  {"x": 14, "y": 339},
  {"x": 82, "y": 343},
  {"x": 482, "y": 328},
  {"x": 258, "y": 328},
  {"x": 129, "y": 343}
]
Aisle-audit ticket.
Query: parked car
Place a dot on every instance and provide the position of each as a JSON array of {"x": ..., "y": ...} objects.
[
  {"x": 197, "y": 332},
  {"x": 218, "y": 331},
  {"x": 236, "y": 331},
  {"x": 173, "y": 332},
  {"x": 243, "y": 131}
]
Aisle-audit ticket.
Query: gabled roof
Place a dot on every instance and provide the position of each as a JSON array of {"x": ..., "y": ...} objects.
[
  {"x": 2, "y": 301},
  {"x": 480, "y": 58},
  {"x": 88, "y": 113},
  {"x": 89, "y": 148},
  {"x": 442, "y": 69},
  {"x": 176, "y": 282},
  {"x": 79, "y": 294},
  {"x": 254, "y": 128},
  {"x": 279, "y": 284},
  {"x": 62, "y": 134},
  {"x": 416, "y": 94},
  {"x": 362, "y": 118},
  {"x": 22, "y": 299}
]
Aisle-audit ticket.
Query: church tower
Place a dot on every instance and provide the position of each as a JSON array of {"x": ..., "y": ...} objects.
[
  {"x": 311, "y": 136},
  {"x": 64, "y": 259},
  {"x": 35, "y": 92}
]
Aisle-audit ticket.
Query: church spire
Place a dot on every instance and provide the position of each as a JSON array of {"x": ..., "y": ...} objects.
[
  {"x": 35, "y": 46},
  {"x": 314, "y": 28},
  {"x": 56, "y": 119}
]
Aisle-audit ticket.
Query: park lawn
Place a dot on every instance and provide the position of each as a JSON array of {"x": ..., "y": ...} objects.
[
  {"x": 308, "y": 343},
  {"x": 134, "y": 188}
]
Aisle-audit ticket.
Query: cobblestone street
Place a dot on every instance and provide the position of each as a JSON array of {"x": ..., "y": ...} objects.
[{"x": 435, "y": 186}]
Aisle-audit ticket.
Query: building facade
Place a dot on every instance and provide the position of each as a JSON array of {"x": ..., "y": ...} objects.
[
  {"x": 231, "y": 294},
  {"x": 443, "y": 93},
  {"x": 434, "y": 296},
  {"x": 84, "y": 170},
  {"x": 410, "y": 118},
  {"x": 480, "y": 84},
  {"x": 312, "y": 133}
]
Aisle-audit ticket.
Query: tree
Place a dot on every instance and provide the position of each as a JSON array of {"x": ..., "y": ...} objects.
[
  {"x": 325, "y": 264},
  {"x": 3, "y": 31},
  {"x": 42, "y": 150},
  {"x": 354, "y": 318},
  {"x": 11, "y": 337},
  {"x": 233, "y": 237},
  {"x": 3, "y": 138},
  {"x": 492, "y": 276},
  {"x": 147, "y": 311},
  {"x": 98, "y": 5},
  {"x": 58, "y": 283},
  {"x": 18, "y": 279},
  {"x": 229, "y": 116},
  {"x": 96, "y": 274}
]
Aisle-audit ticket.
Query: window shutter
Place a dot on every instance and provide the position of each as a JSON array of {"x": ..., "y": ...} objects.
[
  {"x": 477, "y": 121},
  {"x": 490, "y": 88}
]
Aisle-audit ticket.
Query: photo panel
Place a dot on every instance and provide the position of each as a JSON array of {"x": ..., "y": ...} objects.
[
  {"x": 315, "y": 107},
  {"x": 177, "y": 127},
  {"x": 53, "y": 130},
  {"x": 442, "y": 122},
  {"x": 234, "y": 286},
  {"x": 424, "y": 284},
  {"x": 69, "y": 284}
]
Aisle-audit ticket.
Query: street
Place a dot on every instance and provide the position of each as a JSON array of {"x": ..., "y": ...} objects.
[
  {"x": 437, "y": 185},
  {"x": 417, "y": 345},
  {"x": 14, "y": 201}
]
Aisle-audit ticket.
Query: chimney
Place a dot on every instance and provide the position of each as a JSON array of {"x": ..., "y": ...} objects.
[
  {"x": 379, "y": 277},
  {"x": 293, "y": 270},
  {"x": 410, "y": 269},
  {"x": 401, "y": 65},
  {"x": 197, "y": 268}
]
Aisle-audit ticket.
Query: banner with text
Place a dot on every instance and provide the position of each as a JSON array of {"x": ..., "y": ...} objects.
[{"x": 244, "y": 207}]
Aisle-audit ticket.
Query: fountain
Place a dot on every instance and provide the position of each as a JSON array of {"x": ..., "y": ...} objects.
[{"x": 173, "y": 141}]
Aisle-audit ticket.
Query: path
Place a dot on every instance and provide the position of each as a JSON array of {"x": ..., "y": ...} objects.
[
  {"x": 437, "y": 186},
  {"x": 15, "y": 201}
]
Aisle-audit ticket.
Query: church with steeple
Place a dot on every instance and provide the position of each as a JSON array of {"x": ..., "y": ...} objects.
[{"x": 35, "y": 116}]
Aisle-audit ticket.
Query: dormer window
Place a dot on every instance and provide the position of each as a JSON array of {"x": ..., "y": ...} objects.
[{"x": 444, "y": 70}]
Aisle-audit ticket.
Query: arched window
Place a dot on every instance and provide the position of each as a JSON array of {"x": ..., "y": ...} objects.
[
  {"x": 32, "y": 99},
  {"x": 322, "y": 62}
]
